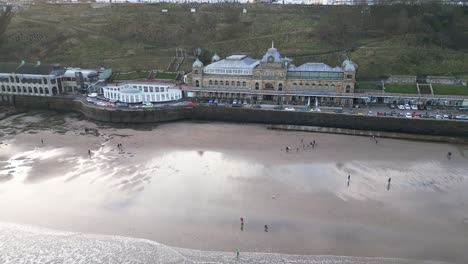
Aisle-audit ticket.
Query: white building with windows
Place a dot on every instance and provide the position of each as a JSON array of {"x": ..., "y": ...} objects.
[
  {"x": 142, "y": 91},
  {"x": 31, "y": 79},
  {"x": 75, "y": 80}
]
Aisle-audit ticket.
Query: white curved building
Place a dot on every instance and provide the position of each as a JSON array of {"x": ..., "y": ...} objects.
[{"x": 142, "y": 91}]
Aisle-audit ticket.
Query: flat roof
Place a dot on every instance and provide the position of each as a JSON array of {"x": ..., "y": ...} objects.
[{"x": 29, "y": 68}]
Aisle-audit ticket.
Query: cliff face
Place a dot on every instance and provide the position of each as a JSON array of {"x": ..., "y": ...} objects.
[{"x": 381, "y": 40}]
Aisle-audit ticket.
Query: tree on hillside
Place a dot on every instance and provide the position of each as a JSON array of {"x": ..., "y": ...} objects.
[{"x": 5, "y": 17}]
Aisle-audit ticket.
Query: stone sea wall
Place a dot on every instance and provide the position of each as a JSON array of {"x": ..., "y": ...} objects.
[{"x": 247, "y": 115}]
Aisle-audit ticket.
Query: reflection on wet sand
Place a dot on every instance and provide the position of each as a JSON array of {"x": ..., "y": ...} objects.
[{"x": 187, "y": 184}]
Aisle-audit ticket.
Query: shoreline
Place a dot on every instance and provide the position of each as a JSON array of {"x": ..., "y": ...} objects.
[
  {"x": 369, "y": 133},
  {"x": 185, "y": 184},
  {"x": 189, "y": 255}
]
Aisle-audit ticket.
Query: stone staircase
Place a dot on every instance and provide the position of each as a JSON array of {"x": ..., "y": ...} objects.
[{"x": 424, "y": 88}]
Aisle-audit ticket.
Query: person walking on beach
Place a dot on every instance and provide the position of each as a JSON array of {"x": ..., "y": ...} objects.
[
  {"x": 449, "y": 155},
  {"x": 89, "y": 153},
  {"x": 237, "y": 253},
  {"x": 349, "y": 177},
  {"x": 42, "y": 141},
  {"x": 242, "y": 220},
  {"x": 266, "y": 228}
]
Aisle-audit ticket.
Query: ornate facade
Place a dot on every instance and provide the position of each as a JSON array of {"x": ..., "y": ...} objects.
[{"x": 272, "y": 78}]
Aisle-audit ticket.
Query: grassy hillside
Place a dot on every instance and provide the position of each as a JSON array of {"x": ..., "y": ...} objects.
[{"x": 381, "y": 40}]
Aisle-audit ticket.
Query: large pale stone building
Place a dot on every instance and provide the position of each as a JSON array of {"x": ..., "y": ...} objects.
[{"x": 272, "y": 78}]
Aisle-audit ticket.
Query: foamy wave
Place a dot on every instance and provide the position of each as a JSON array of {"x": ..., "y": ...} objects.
[{"x": 25, "y": 244}]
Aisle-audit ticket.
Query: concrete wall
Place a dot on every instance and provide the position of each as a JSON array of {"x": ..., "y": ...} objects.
[
  {"x": 402, "y": 79},
  {"x": 247, "y": 115},
  {"x": 155, "y": 115},
  {"x": 375, "y": 123}
]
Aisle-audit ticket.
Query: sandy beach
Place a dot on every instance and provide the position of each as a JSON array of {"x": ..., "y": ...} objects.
[{"x": 187, "y": 184}]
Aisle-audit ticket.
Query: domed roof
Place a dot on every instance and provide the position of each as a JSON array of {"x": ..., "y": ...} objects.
[
  {"x": 215, "y": 58},
  {"x": 348, "y": 65},
  {"x": 272, "y": 53},
  {"x": 197, "y": 63}
]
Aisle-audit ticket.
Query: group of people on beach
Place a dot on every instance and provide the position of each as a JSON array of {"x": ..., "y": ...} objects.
[{"x": 310, "y": 145}]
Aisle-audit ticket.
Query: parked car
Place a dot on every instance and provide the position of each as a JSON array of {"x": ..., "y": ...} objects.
[
  {"x": 289, "y": 109},
  {"x": 339, "y": 111},
  {"x": 211, "y": 101},
  {"x": 414, "y": 107},
  {"x": 392, "y": 106},
  {"x": 408, "y": 115},
  {"x": 122, "y": 104},
  {"x": 89, "y": 99},
  {"x": 393, "y": 113},
  {"x": 256, "y": 106},
  {"x": 461, "y": 117},
  {"x": 369, "y": 113},
  {"x": 407, "y": 107},
  {"x": 428, "y": 108},
  {"x": 216, "y": 101},
  {"x": 463, "y": 108},
  {"x": 401, "y": 115},
  {"x": 401, "y": 107},
  {"x": 92, "y": 95},
  {"x": 234, "y": 101}
]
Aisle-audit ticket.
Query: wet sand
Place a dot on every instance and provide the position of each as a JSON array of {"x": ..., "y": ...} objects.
[{"x": 187, "y": 185}]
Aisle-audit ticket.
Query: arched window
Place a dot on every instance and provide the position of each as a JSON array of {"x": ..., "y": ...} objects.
[
  {"x": 348, "y": 89},
  {"x": 313, "y": 87},
  {"x": 221, "y": 83},
  {"x": 233, "y": 83},
  {"x": 319, "y": 89},
  {"x": 47, "y": 90},
  {"x": 301, "y": 86},
  {"x": 14, "y": 88},
  {"x": 325, "y": 88},
  {"x": 216, "y": 82},
  {"x": 29, "y": 89},
  {"x": 3, "y": 88},
  {"x": 41, "y": 91},
  {"x": 53, "y": 81},
  {"x": 244, "y": 83},
  {"x": 294, "y": 86},
  {"x": 44, "y": 80},
  {"x": 35, "y": 90},
  {"x": 24, "y": 89},
  {"x": 8, "y": 88},
  {"x": 210, "y": 82},
  {"x": 307, "y": 87},
  {"x": 280, "y": 87},
  {"x": 11, "y": 79},
  {"x": 332, "y": 88},
  {"x": 197, "y": 83},
  {"x": 238, "y": 83},
  {"x": 256, "y": 86}
]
